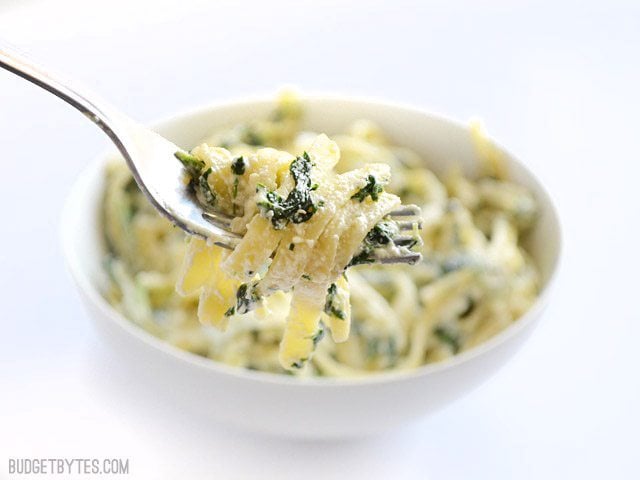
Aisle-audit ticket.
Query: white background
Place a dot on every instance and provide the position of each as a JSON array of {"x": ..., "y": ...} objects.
[{"x": 556, "y": 82}]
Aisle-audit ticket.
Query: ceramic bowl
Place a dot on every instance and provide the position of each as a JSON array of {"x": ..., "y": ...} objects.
[{"x": 285, "y": 405}]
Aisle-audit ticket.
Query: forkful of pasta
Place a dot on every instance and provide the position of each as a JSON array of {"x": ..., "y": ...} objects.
[
  {"x": 261, "y": 222},
  {"x": 390, "y": 241},
  {"x": 147, "y": 155},
  {"x": 295, "y": 225},
  {"x": 253, "y": 197}
]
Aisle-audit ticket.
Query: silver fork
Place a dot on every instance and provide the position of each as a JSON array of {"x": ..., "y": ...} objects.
[{"x": 151, "y": 160}]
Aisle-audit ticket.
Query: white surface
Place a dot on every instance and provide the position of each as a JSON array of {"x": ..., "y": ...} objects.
[{"x": 558, "y": 84}]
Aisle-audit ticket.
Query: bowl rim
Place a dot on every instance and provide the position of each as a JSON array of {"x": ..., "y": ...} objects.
[{"x": 83, "y": 282}]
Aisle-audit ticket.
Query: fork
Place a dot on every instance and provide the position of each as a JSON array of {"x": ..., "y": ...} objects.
[{"x": 151, "y": 160}]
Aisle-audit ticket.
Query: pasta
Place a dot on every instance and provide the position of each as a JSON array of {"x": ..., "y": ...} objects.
[
  {"x": 474, "y": 280},
  {"x": 302, "y": 226}
]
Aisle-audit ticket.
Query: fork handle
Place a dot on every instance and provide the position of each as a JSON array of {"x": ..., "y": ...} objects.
[{"x": 15, "y": 62}]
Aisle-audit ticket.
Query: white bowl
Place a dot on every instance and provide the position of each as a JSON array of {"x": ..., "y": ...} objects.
[{"x": 284, "y": 405}]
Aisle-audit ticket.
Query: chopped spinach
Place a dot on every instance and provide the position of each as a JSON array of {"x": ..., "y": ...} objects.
[
  {"x": 372, "y": 189},
  {"x": 299, "y": 364},
  {"x": 319, "y": 335},
  {"x": 448, "y": 337},
  {"x": 208, "y": 195},
  {"x": 364, "y": 257},
  {"x": 332, "y": 305},
  {"x": 247, "y": 298},
  {"x": 471, "y": 305},
  {"x": 235, "y": 187},
  {"x": 238, "y": 166},
  {"x": 230, "y": 311},
  {"x": 251, "y": 137},
  {"x": 255, "y": 335},
  {"x": 292, "y": 246},
  {"x": 132, "y": 187},
  {"x": 299, "y": 206},
  {"x": 382, "y": 346},
  {"x": 129, "y": 204},
  {"x": 379, "y": 236},
  {"x": 193, "y": 165}
]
